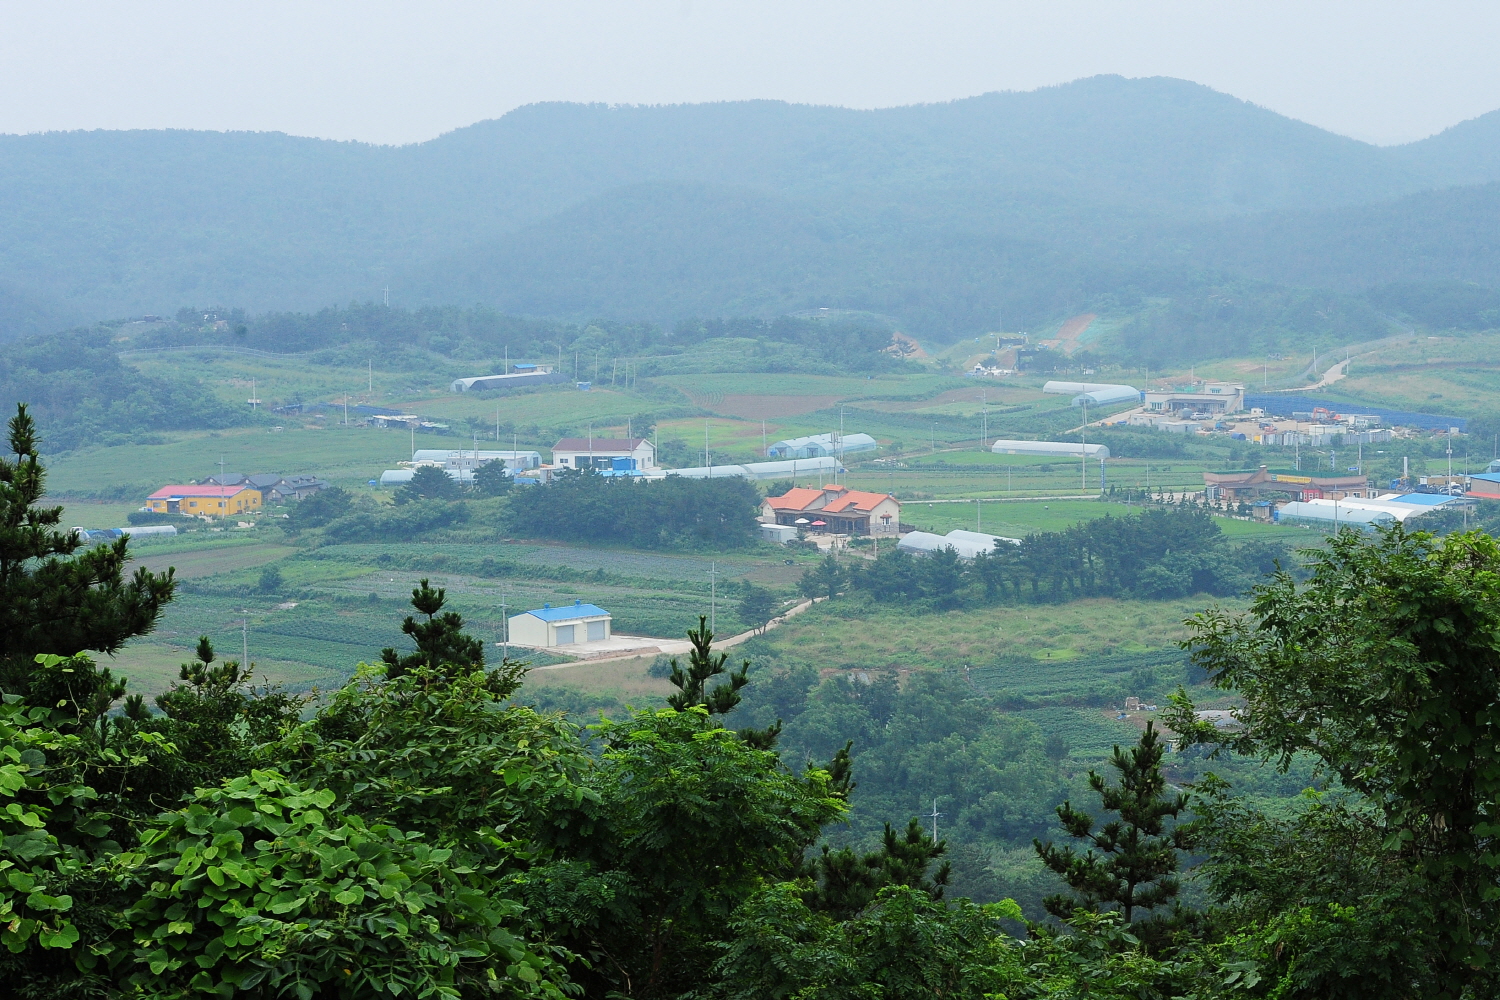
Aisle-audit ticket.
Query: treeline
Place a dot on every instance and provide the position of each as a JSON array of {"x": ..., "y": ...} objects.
[
  {"x": 484, "y": 335},
  {"x": 932, "y": 736},
  {"x": 1243, "y": 318},
  {"x": 1156, "y": 554},
  {"x": 76, "y": 382},
  {"x": 659, "y": 513},
  {"x": 576, "y": 507}
]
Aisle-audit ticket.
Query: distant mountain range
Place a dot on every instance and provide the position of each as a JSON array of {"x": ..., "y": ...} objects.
[{"x": 1014, "y": 209}]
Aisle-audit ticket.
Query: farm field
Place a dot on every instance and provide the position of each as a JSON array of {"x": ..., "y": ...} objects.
[
  {"x": 847, "y": 634},
  {"x": 209, "y": 560},
  {"x": 339, "y": 604},
  {"x": 316, "y": 377},
  {"x": 625, "y": 682},
  {"x": 1454, "y": 375},
  {"x": 345, "y": 456}
]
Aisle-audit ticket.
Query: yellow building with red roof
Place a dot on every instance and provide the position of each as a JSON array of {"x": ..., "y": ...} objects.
[
  {"x": 834, "y": 510},
  {"x": 207, "y": 500}
]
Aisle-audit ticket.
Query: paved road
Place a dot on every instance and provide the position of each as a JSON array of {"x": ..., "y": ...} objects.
[{"x": 676, "y": 647}]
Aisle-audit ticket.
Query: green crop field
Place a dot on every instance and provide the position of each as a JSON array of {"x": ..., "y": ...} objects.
[
  {"x": 846, "y": 634},
  {"x": 346, "y": 456},
  {"x": 339, "y": 604},
  {"x": 1088, "y": 734}
]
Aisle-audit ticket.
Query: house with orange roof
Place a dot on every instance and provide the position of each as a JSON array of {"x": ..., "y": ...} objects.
[{"x": 836, "y": 510}]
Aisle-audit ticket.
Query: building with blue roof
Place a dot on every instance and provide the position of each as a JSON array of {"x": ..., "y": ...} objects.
[
  {"x": 568, "y": 625},
  {"x": 1486, "y": 485}
]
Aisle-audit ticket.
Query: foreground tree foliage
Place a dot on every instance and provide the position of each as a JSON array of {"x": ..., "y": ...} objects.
[
  {"x": 1385, "y": 667},
  {"x": 54, "y": 598}
]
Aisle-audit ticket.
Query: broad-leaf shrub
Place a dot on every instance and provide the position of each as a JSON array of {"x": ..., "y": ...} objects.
[{"x": 265, "y": 885}]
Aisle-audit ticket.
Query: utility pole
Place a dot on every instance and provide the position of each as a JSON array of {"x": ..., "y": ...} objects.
[
  {"x": 713, "y": 596},
  {"x": 387, "y": 296},
  {"x": 935, "y": 815},
  {"x": 1083, "y": 478},
  {"x": 984, "y": 425}
]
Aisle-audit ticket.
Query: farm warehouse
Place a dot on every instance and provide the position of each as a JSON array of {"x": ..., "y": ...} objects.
[{"x": 548, "y": 626}]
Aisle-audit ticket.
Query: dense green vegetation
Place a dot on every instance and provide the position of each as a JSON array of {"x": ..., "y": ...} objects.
[
  {"x": 1159, "y": 552},
  {"x": 77, "y": 384},
  {"x": 587, "y": 507},
  {"x": 577, "y": 506}
]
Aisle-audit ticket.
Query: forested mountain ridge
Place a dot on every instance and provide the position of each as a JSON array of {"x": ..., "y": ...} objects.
[{"x": 946, "y": 216}]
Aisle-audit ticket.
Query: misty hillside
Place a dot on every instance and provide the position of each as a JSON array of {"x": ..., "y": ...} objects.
[{"x": 1027, "y": 205}]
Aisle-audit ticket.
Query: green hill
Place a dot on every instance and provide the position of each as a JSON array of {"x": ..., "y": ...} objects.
[{"x": 951, "y": 218}]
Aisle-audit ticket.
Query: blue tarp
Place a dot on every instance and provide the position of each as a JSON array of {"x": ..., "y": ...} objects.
[
  {"x": 1424, "y": 499},
  {"x": 1284, "y": 404}
]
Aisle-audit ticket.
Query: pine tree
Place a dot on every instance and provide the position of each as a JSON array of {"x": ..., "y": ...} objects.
[
  {"x": 825, "y": 581},
  {"x": 440, "y": 639},
  {"x": 1136, "y": 861},
  {"x": 703, "y": 665},
  {"x": 845, "y": 882},
  {"x": 428, "y": 483},
  {"x": 57, "y": 600},
  {"x": 491, "y": 479}
]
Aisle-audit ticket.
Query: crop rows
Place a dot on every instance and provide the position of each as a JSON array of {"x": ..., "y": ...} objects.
[{"x": 1086, "y": 733}]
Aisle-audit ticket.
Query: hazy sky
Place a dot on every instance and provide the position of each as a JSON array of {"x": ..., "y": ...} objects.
[{"x": 395, "y": 73}]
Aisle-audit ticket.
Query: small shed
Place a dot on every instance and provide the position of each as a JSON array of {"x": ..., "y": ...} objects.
[{"x": 568, "y": 625}]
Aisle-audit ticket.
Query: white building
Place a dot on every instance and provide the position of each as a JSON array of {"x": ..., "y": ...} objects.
[
  {"x": 519, "y": 374},
  {"x": 1066, "y": 449},
  {"x": 759, "y": 470},
  {"x": 819, "y": 445},
  {"x": 1095, "y": 393},
  {"x": 469, "y": 458},
  {"x": 568, "y": 625},
  {"x": 635, "y": 454},
  {"x": 1214, "y": 399},
  {"x": 967, "y": 544}
]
